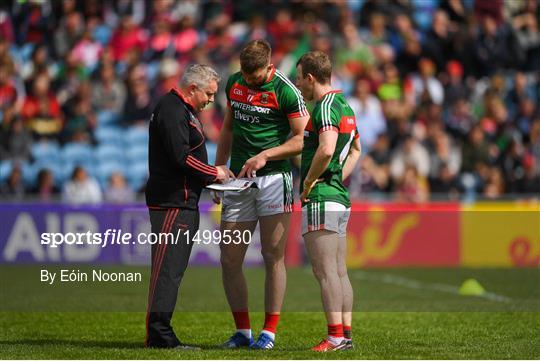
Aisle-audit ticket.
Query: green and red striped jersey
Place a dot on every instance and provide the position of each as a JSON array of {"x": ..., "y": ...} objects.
[
  {"x": 331, "y": 113},
  {"x": 260, "y": 118}
]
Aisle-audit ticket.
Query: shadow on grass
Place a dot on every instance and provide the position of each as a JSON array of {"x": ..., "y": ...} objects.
[
  {"x": 78, "y": 343},
  {"x": 100, "y": 344}
]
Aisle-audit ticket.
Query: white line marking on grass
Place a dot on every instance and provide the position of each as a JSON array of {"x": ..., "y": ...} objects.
[{"x": 418, "y": 285}]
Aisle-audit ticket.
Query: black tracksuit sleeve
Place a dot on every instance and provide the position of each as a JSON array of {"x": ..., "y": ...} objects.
[{"x": 173, "y": 120}]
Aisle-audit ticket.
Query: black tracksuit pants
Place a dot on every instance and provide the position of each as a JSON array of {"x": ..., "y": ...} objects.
[{"x": 169, "y": 261}]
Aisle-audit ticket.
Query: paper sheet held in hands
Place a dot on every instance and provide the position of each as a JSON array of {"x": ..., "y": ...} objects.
[{"x": 234, "y": 185}]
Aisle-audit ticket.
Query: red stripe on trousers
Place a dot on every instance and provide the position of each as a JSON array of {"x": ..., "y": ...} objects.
[
  {"x": 159, "y": 255},
  {"x": 153, "y": 275}
]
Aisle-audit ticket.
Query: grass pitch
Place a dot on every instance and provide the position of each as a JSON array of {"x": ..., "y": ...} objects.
[{"x": 399, "y": 314}]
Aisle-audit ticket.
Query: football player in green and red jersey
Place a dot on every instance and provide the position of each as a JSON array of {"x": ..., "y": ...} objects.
[
  {"x": 262, "y": 129},
  {"x": 331, "y": 151}
]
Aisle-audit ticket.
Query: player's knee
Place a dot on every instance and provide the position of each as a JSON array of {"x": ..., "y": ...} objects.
[
  {"x": 322, "y": 272},
  {"x": 342, "y": 271},
  {"x": 272, "y": 255},
  {"x": 230, "y": 262}
]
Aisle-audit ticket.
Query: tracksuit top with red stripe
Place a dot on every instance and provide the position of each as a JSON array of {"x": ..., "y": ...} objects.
[{"x": 178, "y": 161}]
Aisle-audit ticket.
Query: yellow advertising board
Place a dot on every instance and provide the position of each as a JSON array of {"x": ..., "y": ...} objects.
[{"x": 500, "y": 235}]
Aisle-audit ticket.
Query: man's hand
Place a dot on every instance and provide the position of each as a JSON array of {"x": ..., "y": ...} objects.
[
  {"x": 223, "y": 174},
  {"x": 252, "y": 165},
  {"x": 308, "y": 186}
]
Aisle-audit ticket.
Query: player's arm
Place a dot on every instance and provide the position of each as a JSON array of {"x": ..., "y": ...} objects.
[
  {"x": 225, "y": 139},
  {"x": 290, "y": 148},
  {"x": 293, "y": 145},
  {"x": 321, "y": 160},
  {"x": 354, "y": 154},
  {"x": 293, "y": 106}
]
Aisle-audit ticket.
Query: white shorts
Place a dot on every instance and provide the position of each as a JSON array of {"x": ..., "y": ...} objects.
[
  {"x": 329, "y": 216},
  {"x": 273, "y": 195}
]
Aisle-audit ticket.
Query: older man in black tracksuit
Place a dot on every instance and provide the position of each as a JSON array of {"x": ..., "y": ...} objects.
[{"x": 179, "y": 170}]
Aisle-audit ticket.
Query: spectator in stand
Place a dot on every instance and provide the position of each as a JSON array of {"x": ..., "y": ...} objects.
[
  {"x": 160, "y": 43},
  {"x": 412, "y": 187},
  {"x": 9, "y": 96},
  {"x": 520, "y": 90},
  {"x": 108, "y": 95},
  {"x": 6, "y": 26},
  {"x": 5, "y": 54},
  {"x": 138, "y": 106},
  {"x": 401, "y": 30},
  {"x": 128, "y": 35},
  {"x": 71, "y": 74},
  {"x": 425, "y": 86},
  {"x": 495, "y": 123},
  {"x": 375, "y": 173},
  {"x": 534, "y": 144},
  {"x": 45, "y": 190},
  {"x": 460, "y": 119},
  {"x": 390, "y": 92},
  {"x": 454, "y": 86},
  {"x": 81, "y": 121},
  {"x": 512, "y": 165},
  {"x": 495, "y": 47},
  {"x": 444, "y": 185},
  {"x": 186, "y": 38},
  {"x": 525, "y": 116},
  {"x": 41, "y": 62},
  {"x": 367, "y": 108},
  {"x": 525, "y": 22},
  {"x": 408, "y": 59},
  {"x": 41, "y": 110},
  {"x": 280, "y": 27},
  {"x": 13, "y": 188},
  {"x": 442, "y": 153},
  {"x": 16, "y": 144},
  {"x": 33, "y": 21},
  {"x": 87, "y": 50},
  {"x": 354, "y": 55},
  {"x": 475, "y": 159},
  {"x": 494, "y": 187},
  {"x": 456, "y": 11},
  {"x": 118, "y": 191},
  {"x": 439, "y": 41},
  {"x": 530, "y": 184},
  {"x": 475, "y": 151},
  {"x": 409, "y": 153},
  {"x": 376, "y": 36},
  {"x": 169, "y": 77},
  {"x": 81, "y": 188},
  {"x": 68, "y": 33}
]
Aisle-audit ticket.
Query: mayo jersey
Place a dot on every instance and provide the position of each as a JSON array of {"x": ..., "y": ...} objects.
[
  {"x": 260, "y": 118},
  {"x": 331, "y": 113}
]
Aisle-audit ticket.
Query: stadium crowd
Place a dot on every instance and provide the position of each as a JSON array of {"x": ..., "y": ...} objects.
[{"x": 445, "y": 92}]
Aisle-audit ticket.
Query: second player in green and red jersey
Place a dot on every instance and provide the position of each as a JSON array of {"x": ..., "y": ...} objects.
[{"x": 330, "y": 113}]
